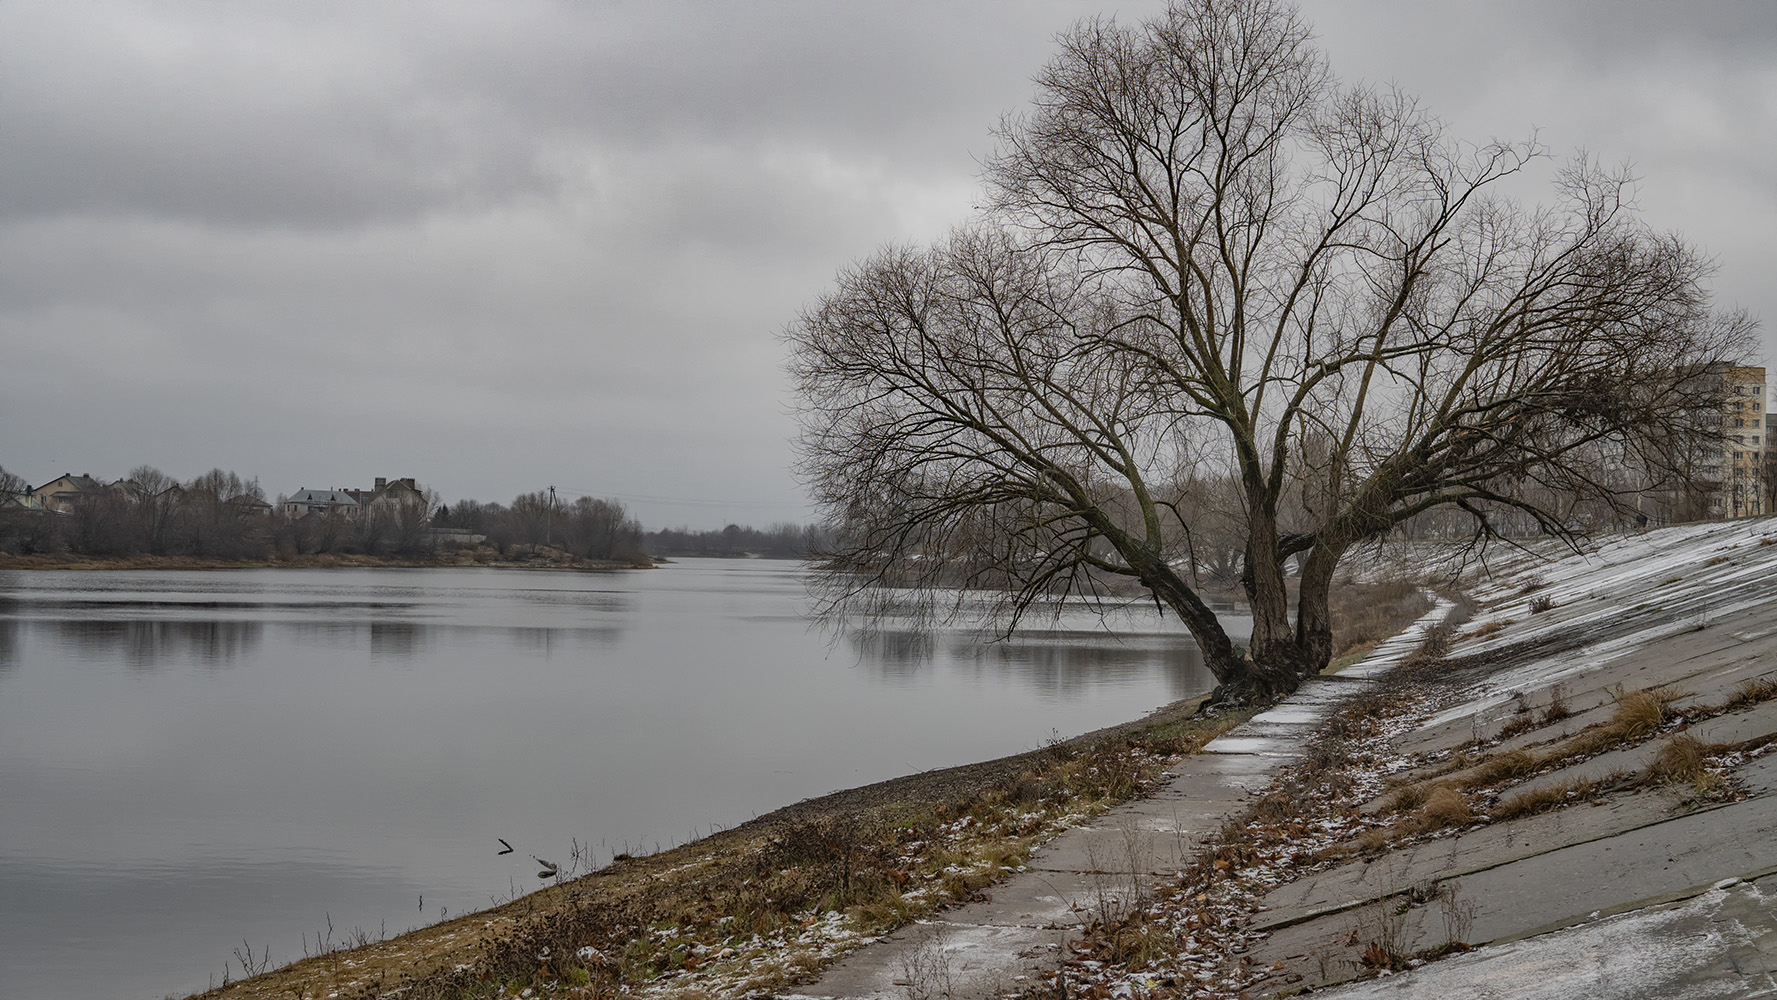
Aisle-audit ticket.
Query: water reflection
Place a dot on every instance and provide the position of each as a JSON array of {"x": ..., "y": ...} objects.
[
  {"x": 896, "y": 653},
  {"x": 593, "y": 600},
  {"x": 147, "y": 644},
  {"x": 407, "y": 639},
  {"x": 1060, "y": 670},
  {"x": 395, "y": 639},
  {"x": 545, "y": 641},
  {"x": 394, "y": 723},
  {"x": 1055, "y": 663}
]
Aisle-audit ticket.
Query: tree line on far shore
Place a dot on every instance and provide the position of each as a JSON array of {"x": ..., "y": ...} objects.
[
  {"x": 778, "y": 541},
  {"x": 222, "y": 515},
  {"x": 218, "y": 515},
  {"x": 587, "y": 528}
]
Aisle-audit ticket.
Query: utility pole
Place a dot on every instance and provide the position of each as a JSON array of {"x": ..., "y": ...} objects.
[{"x": 549, "y": 523}]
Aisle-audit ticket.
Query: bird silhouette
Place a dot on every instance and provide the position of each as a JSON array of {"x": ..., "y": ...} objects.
[
  {"x": 549, "y": 867},
  {"x": 503, "y": 843}
]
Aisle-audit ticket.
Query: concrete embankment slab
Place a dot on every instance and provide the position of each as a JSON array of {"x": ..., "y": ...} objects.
[
  {"x": 1545, "y": 891},
  {"x": 1457, "y": 856},
  {"x": 1687, "y": 616},
  {"x": 1716, "y": 945}
]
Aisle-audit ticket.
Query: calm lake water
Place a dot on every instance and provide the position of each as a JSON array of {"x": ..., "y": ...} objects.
[{"x": 193, "y": 759}]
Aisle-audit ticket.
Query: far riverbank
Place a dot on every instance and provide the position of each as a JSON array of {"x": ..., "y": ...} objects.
[{"x": 480, "y": 558}]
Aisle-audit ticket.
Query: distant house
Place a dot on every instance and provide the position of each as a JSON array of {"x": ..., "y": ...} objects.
[
  {"x": 26, "y": 500},
  {"x": 61, "y": 493},
  {"x": 304, "y": 502},
  {"x": 250, "y": 506},
  {"x": 391, "y": 496}
]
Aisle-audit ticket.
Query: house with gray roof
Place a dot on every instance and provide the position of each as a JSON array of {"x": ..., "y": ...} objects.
[
  {"x": 61, "y": 493},
  {"x": 304, "y": 502}
]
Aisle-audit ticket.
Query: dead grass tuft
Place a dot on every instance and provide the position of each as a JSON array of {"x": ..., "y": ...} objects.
[
  {"x": 1491, "y": 628},
  {"x": 1684, "y": 760},
  {"x": 1508, "y": 766},
  {"x": 1557, "y": 709},
  {"x": 1751, "y": 693},
  {"x": 1445, "y": 807},
  {"x": 1523, "y": 720},
  {"x": 1553, "y": 795},
  {"x": 1709, "y": 786},
  {"x": 1406, "y": 799},
  {"x": 1680, "y": 760},
  {"x": 1637, "y": 715},
  {"x": 1541, "y": 603}
]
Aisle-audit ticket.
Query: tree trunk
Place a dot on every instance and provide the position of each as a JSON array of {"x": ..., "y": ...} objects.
[
  {"x": 1314, "y": 622},
  {"x": 1239, "y": 680},
  {"x": 1276, "y": 665}
]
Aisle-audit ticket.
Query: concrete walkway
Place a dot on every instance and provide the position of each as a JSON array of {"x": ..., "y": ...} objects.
[{"x": 1002, "y": 943}]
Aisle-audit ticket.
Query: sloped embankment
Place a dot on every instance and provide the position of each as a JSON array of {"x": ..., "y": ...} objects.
[{"x": 1574, "y": 795}]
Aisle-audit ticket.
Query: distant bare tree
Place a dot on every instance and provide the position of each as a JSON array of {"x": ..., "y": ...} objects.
[
  {"x": 220, "y": 525},
  {"x": 599, "y": 529},
  {"x": 157, "y": 504},
  {"x": 1207, "y": 261},
  {"x": 532, "y": 518}
]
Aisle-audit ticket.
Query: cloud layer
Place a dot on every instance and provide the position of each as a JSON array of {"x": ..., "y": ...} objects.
[{"x": 498, "y": 246}]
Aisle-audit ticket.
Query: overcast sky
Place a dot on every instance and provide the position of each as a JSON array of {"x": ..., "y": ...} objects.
[{"x": 503, "y": 245}]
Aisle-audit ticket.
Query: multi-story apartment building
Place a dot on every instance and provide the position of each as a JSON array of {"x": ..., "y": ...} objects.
[{"x": 1743, "y": 443}]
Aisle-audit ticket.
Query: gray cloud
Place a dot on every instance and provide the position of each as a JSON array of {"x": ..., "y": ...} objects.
[{"x": 495, "y": 246}]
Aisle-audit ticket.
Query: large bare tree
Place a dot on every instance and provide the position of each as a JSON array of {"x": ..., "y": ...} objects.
[{"x": 1205, "y": 260}]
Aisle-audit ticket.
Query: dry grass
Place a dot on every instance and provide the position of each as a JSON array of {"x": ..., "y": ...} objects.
[
  {"x": 1684, "y": 761},
  {"x": 1491, "y": 628},
  {"x": 880, "y": 856},
  {"x": 1541, "y": 603},
  {"x": 1445, "y": 807},
  {"x": 1554, "y": 795},
  {"x": 1508, "y": 766},
  {"x": 1523, "y": 719},
  {"x": 1680, "y": 760},
  {"x": 1434, "y": 801},
  {"x": 1364, "y": 614},
  {"x": 1751, "y": 693},
  {"x": 1637, "y": 716},
  {"x": 1557, "y": 708},
  {"x": 1406, "y": 799}
]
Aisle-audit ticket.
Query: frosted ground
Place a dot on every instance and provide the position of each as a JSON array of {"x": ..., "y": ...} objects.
[{"x": 1620, "y": 886}]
